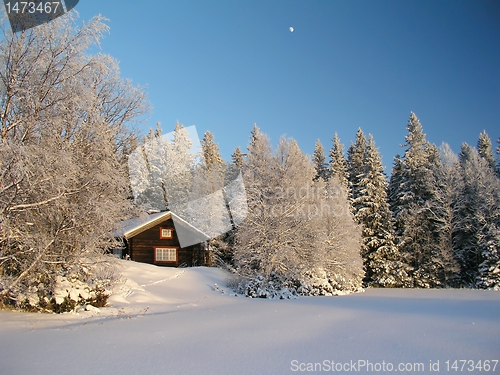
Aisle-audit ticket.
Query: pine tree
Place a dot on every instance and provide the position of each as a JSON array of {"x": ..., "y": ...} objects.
[
  {"x": 484, "y": 149},
  {"x": 338, "y": 164},
  {"x": 381, "y": 257},
  {"x": 319, "y": 161}
]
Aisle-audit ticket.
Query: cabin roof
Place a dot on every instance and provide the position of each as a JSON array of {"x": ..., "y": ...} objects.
[{"x": 132, "y": 227}]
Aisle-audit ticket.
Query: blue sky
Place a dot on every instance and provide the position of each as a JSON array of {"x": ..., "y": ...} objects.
[{"x": 225, "y": 65}]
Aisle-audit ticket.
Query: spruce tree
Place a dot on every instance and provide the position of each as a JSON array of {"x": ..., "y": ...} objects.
[
  {"x": 477, "y": 223},
  {"x": 498, "y": 158},
  {"x": 210, "y": 150},
  {"x": 319, "y": 161},
  {"x": 419, "y": 210},
  {"x": 484, "y": 149},
  {"x": 237, "y": 158},
  {"x": 356, "y": 168},
  {"x": 381, "y": 257},
  {"x": 338, "y": 164},
  {"x": 394, "y": 183},
  {"x": 213, "y": 161}
]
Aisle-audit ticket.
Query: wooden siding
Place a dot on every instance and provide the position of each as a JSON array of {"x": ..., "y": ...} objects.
[{"x": 141, "y": 247}]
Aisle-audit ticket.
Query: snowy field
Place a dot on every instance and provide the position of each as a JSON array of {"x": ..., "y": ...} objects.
[{"x": 172, "y": 321}]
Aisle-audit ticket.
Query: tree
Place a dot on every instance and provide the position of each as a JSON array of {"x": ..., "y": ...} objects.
[
  {"x": 291, "y": 238},
  {"x": 319, "y": 161},
  {"x": 477, "y": 223},
  {"x": 338, "y": 164},
  {"x": 237, "y": 158},
  {"x": 65, "y": 131},
  {"x": 485, "y": 151},
  {"x": 161, "y": 170},
  {"x": 498, "y": 158},
  {"x": 383, "y": 266},
  {"x": 213, "y": 159},
  {"x": 222, "y": 247},
  {"x": 395, "y": 182},
  {"x": 210, "y": 150},
  {"x": 356, "y": 155},
  {"x": 420, "y": 211}
]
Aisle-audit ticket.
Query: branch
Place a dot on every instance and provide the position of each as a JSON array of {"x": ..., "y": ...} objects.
[
  {"x": 20, "y": 207},
  {"x": 28, "y": 270}
]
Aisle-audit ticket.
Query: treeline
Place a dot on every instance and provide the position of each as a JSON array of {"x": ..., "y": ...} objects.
[{"x": 436, "y": 223}]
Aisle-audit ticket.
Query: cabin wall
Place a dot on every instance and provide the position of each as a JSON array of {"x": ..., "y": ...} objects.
[{"x": 141, "y": 248}]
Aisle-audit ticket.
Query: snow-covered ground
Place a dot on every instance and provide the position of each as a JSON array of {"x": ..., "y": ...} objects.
[{"x": 172, "y": 321}]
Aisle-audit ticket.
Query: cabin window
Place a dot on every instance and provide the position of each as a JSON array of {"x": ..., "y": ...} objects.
[
  {"x": 165, "y": 254},
  {"x": 166, "y": 233}
]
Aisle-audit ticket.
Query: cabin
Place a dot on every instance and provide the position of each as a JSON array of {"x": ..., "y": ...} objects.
[{"x": 154, "y": 239}]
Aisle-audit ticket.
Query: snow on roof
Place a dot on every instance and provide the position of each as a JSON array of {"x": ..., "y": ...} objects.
[{"x": 132, "y": 227}]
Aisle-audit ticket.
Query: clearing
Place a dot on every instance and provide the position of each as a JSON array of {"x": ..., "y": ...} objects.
[{"x": 173, "y": 321}]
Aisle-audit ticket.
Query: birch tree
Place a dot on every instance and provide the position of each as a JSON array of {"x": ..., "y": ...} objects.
[
  {"x": 64, "y": 133},
  {"x": 291, "y": 237}
]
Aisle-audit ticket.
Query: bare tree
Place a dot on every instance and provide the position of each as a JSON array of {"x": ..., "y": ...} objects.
[
  {"x": 65, "y": 119},
  {"x": 299, "y": 233}
]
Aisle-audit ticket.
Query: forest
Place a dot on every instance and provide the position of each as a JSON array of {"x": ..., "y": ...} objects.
[
  {"x": 316, "y": 225},
  {"x": 433, "y": 223}
]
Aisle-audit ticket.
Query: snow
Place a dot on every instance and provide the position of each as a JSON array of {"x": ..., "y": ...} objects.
[{"x": 179, "y": 321}]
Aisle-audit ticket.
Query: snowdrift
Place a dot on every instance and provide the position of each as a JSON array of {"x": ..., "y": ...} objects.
[{"x": 176, "y": 321}]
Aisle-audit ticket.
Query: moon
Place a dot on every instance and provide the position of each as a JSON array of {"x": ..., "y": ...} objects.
[{"x": 291, "y": 29}]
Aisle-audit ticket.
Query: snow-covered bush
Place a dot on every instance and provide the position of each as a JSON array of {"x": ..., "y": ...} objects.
[
  {"x": 276, "y": 287},
  {"x": 70, "y": 288}
]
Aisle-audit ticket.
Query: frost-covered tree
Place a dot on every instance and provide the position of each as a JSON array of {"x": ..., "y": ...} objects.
[
  {"x": 213, "y": 160},
  {"x": 291, "y": 238},
  {"x": 440, "y": 216},
  {"x": 237, "y": 158},
  {"x": 381, "y": 257},
  {"x": 420, "y": 211},
  {"x": 356, "y": 155},
  {"x": 477, "y": 222},
  {"x": 252, "y": 242},
  {"x": 338, "y": 163},
  {"x": 498, "y": 158},
  {"x": 319, "y": 161},
  {"x": 64, "y": 134},
  {"x": 485, "y": 150},
  {"x": 395, "y": 182},
  {"x": 222, "y": 247},
  {"x": 161, "y": 170},
  {"x": 210, "y": 149}
]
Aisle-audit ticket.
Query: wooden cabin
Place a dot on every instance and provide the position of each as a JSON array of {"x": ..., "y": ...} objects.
[{"x": 154, "y": 239}]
